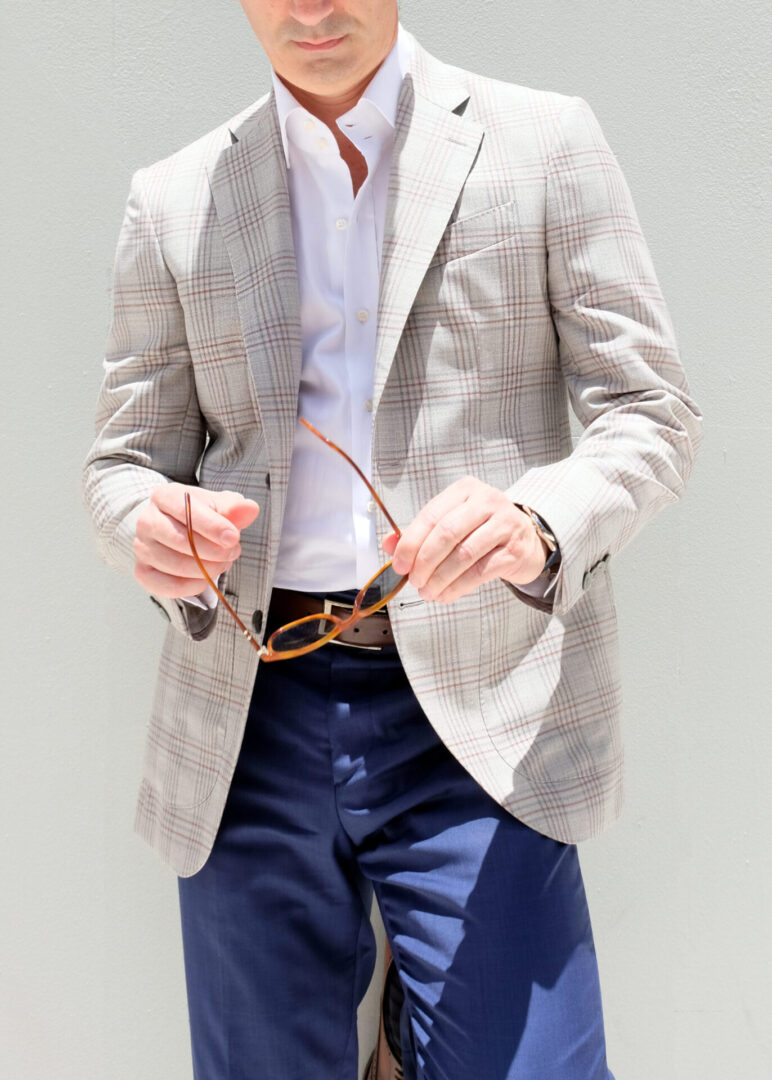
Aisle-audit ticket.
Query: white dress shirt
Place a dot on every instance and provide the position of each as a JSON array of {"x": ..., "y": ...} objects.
[{"x": 328, "y": 537}]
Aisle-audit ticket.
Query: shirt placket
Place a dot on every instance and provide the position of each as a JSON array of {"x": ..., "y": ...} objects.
[
  {"x": 360, "y": 292},
  {"x": 351, "y": 271}
]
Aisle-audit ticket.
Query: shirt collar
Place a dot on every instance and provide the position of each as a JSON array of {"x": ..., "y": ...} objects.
[{"x": 382, "y": 90}]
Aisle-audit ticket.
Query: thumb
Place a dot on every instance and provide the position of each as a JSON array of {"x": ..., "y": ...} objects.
[{"x": 239, "y": 511}]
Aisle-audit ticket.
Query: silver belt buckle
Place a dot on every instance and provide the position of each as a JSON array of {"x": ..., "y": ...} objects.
[{"x": 328, "y": 606}]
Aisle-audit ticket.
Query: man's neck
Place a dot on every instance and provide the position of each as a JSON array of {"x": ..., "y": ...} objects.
[{"x": 328, "y": 108}]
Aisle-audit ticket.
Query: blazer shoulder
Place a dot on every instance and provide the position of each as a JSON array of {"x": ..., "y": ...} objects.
[
  {"x": 494, "y": 97},
  {"x": 511, "y": 111},
  {"x": 522, "y": 122}
]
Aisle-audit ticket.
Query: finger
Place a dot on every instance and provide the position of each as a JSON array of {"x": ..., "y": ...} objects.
[
  {"x": 466, "y": 558},
  {"x": 492, "y": 565},
  {"x": 501, "y": 548},
  {"x": 427, "y": 518},
  {"x": 207, "y": 522},
  {"x": 178, "y": 564},
  {"x": 450, "y": 531},
  {"x": 160, "y": 584},
  {"x": 516, "y": 560},
  {"x": 156, "y": 526}
]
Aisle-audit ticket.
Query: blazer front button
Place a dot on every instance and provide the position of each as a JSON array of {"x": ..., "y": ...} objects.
[{"x": 268, "y": 480}]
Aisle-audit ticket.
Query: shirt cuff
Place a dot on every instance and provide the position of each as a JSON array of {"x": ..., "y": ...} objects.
[
  {"x": 541, "y": 588},
  {"x": 206, "y": 600}
]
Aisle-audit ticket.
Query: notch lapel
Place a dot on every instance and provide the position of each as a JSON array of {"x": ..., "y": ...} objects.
[
  {"x": 249, "y": 187},
  {"x": 434, "y": 150}
]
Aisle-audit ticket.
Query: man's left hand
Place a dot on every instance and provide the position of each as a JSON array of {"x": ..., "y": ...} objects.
[{"x": 468, "y": 534}]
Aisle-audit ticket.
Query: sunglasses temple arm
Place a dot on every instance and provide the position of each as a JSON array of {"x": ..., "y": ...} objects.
[
  {"x": 358, "y": 471},
  {"x": 202, "y": 568}
]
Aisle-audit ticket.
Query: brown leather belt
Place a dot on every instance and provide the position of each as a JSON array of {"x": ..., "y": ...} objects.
[{"x": 374, "y": 632}]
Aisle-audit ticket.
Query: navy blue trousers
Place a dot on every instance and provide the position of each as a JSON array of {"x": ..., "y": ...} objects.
[{"x": 342, "y": 787}]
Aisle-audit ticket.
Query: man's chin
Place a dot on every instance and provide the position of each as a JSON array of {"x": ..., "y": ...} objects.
[{"x": 319, "y": 77}]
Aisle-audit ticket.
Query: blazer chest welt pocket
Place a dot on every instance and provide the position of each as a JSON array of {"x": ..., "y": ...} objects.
[{"x": 473, "y": 233}]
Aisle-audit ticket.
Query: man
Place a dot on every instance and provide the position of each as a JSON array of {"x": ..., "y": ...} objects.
[{"x": 425, "y": 264}]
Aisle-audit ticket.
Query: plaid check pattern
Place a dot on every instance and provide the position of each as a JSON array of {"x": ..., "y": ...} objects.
[{"x": 515, "y": 282}]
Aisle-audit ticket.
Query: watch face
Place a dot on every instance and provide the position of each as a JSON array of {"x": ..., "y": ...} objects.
[
  {"x": 544, "y": 534},
  {"x": 542, "y": 530}
]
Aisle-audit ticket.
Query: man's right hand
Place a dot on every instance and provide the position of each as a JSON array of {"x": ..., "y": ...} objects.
[{"x": 164, "y": 563}]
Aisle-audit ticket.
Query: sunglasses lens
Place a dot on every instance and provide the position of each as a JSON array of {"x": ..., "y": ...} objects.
[
  {"x": 298, "y": 635},
  {"x": 379, "y": 588}
]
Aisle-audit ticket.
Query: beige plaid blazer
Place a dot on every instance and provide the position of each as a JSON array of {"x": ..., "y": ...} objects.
[{"x": 515, "y": 280}]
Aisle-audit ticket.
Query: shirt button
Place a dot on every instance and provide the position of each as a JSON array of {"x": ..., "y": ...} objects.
[
  {"x": 322, "y": 143},
  {"x": 363, "y": 315},
  {"x": 341, "y": 223},
  {"x": 372, "y": 506},
  {"x": 369, "y": 404},
  {"x": 308, "y": 124}
]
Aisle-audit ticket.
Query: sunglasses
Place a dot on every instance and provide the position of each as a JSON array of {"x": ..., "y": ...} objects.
[{"x": 310, "y": 633}]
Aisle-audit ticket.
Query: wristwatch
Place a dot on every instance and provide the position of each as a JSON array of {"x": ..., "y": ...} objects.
[{"x": 552, "y": 565}]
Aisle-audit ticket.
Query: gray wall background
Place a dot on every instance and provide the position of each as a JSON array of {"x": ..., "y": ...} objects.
[{"x": 91, "y": 976}]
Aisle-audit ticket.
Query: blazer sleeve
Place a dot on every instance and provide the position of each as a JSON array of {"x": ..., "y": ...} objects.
[
  {"x": 620, "y": 361},
  {"x": 149, "y": 428}
]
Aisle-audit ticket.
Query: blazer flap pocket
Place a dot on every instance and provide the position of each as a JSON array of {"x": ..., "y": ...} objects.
[{"x": 469, "y": 234}]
